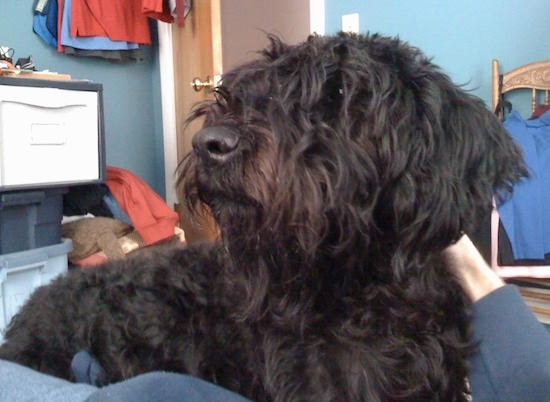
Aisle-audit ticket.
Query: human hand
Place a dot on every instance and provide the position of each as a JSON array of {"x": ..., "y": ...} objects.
[{"x": 473, "y": 273}]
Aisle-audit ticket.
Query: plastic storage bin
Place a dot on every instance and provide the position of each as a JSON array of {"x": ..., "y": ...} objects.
[
  {"x": 30, "y": 219},
  {"x": 22, "y": 272}
]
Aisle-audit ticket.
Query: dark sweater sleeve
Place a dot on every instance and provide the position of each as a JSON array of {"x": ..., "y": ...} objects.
[{"x": 512, "y": 362}]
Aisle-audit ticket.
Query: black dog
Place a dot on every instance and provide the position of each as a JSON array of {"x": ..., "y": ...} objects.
[{"x": 337, "y": 171}]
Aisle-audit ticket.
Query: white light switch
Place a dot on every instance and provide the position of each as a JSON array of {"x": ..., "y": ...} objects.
[{"x": 350, "y": 22}]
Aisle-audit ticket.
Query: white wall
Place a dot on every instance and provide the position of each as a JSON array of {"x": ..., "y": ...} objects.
[{"x": 244, "y": 23}]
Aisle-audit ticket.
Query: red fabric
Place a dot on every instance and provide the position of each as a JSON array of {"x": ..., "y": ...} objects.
[
  {"x": 60, "y": 47},
  {"x": 120, "y": 20},
  {"x": 150, "y": 215},
  {"x": 92, "y": 260},
  {"x": 540, "y": 110},
  {"x": 180, "y": 12},
  {"x": 157, "y": 9}
]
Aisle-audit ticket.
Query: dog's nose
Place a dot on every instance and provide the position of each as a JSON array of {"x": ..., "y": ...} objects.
[{"x": 217, "y": 143}]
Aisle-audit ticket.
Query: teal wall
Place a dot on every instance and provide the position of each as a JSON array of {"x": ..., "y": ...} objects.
[
  {"x": 132, "y": 100},
  {"x": 461, "y": 36}
]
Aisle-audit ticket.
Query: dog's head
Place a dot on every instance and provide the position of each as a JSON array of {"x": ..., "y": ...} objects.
[{"x": 356, "y": 143}]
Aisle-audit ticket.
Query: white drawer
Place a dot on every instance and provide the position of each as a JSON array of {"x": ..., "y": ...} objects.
[{"x": 49, "y": 135}]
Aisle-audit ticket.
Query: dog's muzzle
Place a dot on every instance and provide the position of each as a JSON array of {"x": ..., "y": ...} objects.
[{"x": 216, "y": 143}]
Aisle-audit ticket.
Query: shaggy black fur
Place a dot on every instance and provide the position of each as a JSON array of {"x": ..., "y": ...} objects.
[{"x": 337, "y": 171}]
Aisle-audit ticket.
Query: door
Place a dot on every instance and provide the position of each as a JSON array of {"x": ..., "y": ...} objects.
[
  {"x": 197, "y": 56},
  {"x": 197, "y": 60},
  {"x": 218, "y": 34}
]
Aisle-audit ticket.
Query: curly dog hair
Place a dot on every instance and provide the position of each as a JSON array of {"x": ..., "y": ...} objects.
[{"x": 337, "y": 171}]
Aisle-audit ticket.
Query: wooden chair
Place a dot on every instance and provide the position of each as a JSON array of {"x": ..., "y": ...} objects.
[{"x": 533, "y": 76}]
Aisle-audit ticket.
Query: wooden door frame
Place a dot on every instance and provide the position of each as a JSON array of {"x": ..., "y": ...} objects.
[
  {"x": 168, "y": 95},
  {"x": 168, "y": 104}
]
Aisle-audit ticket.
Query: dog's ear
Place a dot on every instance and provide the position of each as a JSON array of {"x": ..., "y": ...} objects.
[
  {"x": 465, "y": 159},
  {"x": 439, "y": 154}
]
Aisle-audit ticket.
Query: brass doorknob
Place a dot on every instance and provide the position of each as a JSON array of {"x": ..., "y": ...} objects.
[{"x": 198, "y": 84}]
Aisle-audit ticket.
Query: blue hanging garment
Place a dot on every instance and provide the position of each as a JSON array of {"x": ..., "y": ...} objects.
[{"x": 526, "y": 214}]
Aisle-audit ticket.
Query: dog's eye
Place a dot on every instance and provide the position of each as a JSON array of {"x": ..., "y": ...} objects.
[
  {"x": 262, "y": 101},
  {"x": 222, "y": 96},
  {"x": 333, "y": 98}
]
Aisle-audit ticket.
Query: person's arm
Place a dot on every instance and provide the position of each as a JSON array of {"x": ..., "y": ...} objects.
[{"x": 512, "y": 362}]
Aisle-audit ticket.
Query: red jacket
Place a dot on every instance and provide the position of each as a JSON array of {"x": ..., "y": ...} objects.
[{"x": 150, "y": 215}]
